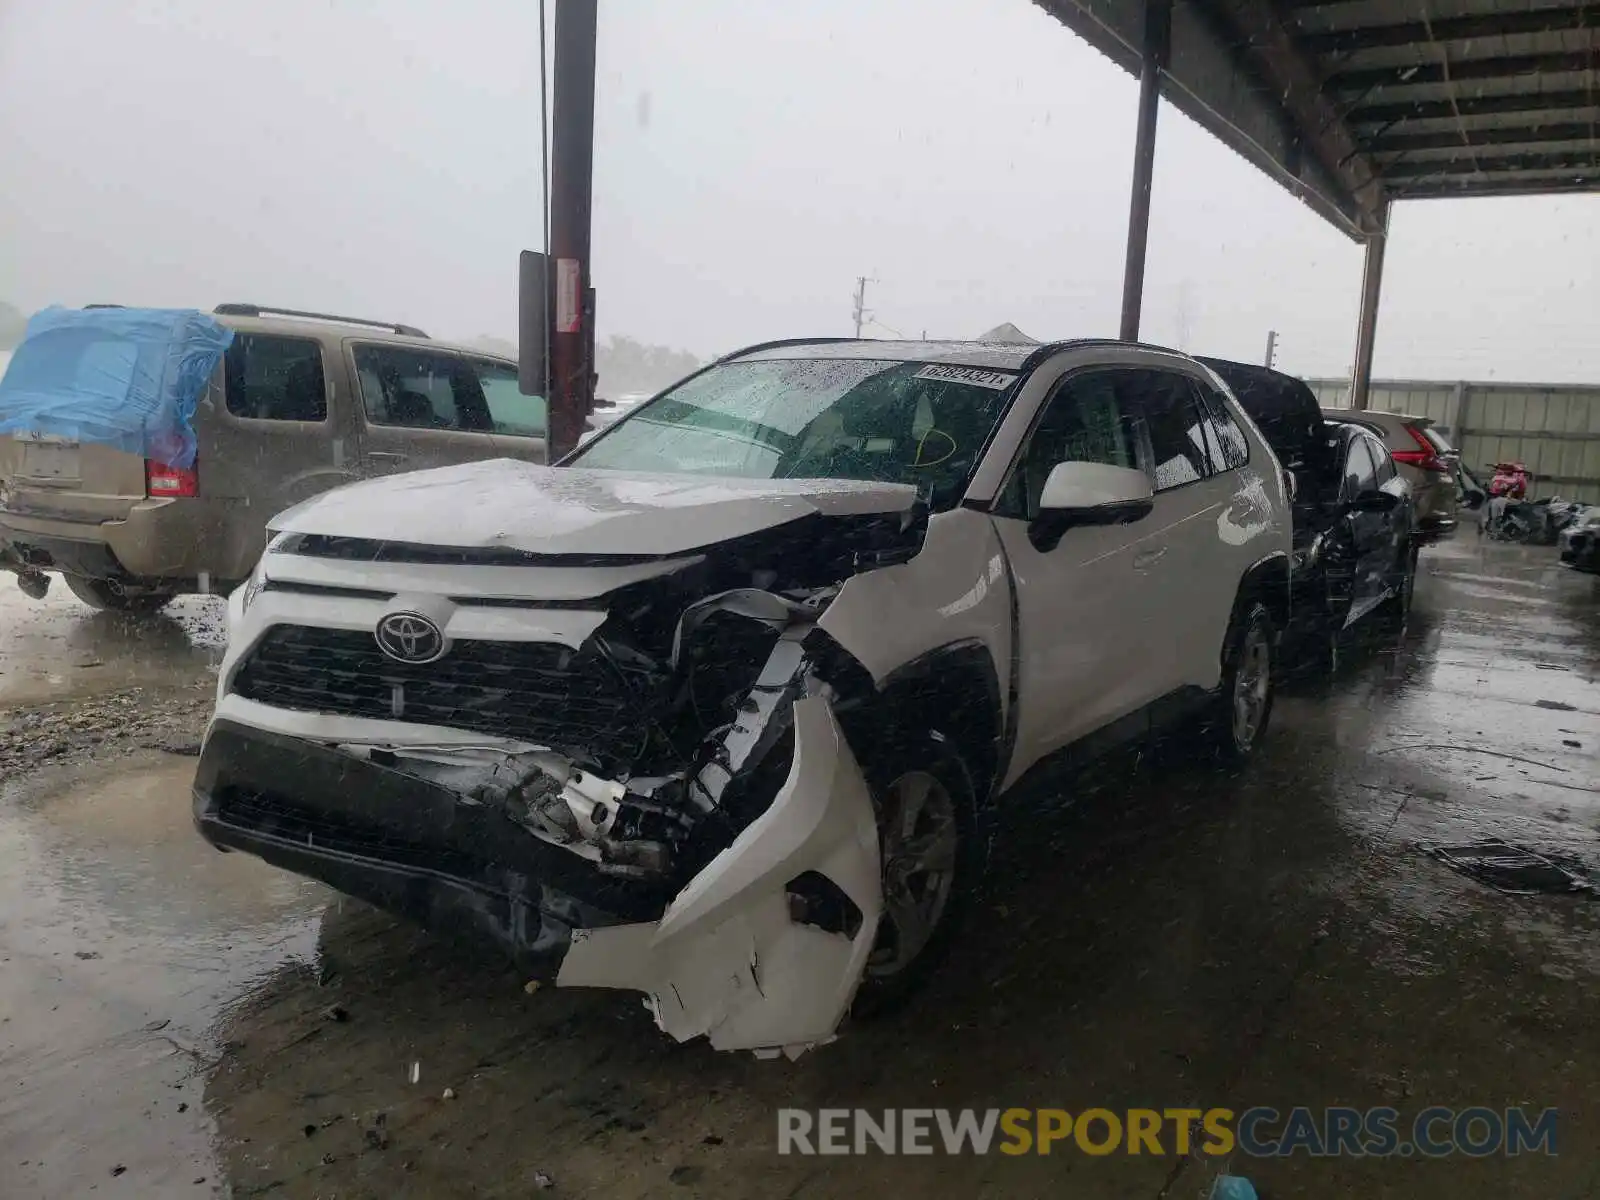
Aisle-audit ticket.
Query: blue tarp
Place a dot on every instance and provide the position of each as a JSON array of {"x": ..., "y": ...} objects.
[{"x": 129, "y": 378}]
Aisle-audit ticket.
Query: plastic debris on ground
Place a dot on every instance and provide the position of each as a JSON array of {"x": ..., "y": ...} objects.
[
  {"x": 128, "y": 378},
  {"x": 1516, "y": 870}
]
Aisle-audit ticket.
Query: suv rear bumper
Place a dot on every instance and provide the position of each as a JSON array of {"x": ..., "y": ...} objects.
[
  {"x": 404, "y": 844},
  {"x": 158, "y": 539}
]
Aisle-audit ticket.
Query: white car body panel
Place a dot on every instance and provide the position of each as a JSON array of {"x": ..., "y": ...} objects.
[
  {"x": 726, "y": 961},
  {"x": 520, "y": 506}
]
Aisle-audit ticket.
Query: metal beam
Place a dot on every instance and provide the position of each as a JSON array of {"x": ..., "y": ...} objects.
[
  {"x": 1471, "y": 106},
  {"x": 1585, "y": 161},
  {"x": 1297, "y": 82},
  {"x": 1493, "y": 135},
  {"x": 1475, "y": 189},
  {"x": 1502, "y": 67},
  {"x": 1452, "y": 29},
  {"x": 1157, "y": 49},
  {"x": 571, "y": 191},
  {"x": 1367, "y": 322}
]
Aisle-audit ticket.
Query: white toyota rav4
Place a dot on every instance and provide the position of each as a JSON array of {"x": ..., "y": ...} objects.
[{"x": 720, "y": 709}]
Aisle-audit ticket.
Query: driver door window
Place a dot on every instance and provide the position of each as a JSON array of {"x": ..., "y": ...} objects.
[{"x": 1082, "y": 422}]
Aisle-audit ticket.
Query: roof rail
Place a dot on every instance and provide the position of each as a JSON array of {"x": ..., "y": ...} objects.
[{"x": 258, "y": 310}]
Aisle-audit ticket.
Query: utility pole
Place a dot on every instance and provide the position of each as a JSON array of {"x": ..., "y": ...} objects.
[
  {"x": 861, "y": 314},
  {"x": 571, "y": 191},
  {"x": 1272, "y": 347}
]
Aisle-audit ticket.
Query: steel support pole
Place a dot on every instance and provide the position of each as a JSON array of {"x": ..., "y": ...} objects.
[
  {"x": 1157, "y": 45},
  {"x": 571, "y": 191},
  {"x": 1367, "y": 325}
]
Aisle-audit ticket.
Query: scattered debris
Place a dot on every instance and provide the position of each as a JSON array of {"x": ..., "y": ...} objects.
[
  {"x": 377, "y": 1134},
  {"x": 157, "y": 1026},
  {"x": 532, "y": 986},
  {"x": 117, "y": 1170},
  {"x": 183, "y": 1106},
  {"x": 337, "y": 1014},
  {"x": 1514, "y": 870},
  {"x": 184, "y": 749},
  {"x": 86, "y": 954},
  {"x": 449, "y": 1093},
  {"x": 310, "y": 1131},
  {"x": 328, "y": 1160},
  {"x": 416, "y": 1072},
  {"x": 1558, "y": 705},
  {"x": 684, "y": 1176},
  {"x": 711, "y": 1139},
  {"x": 542, "y": 1181},
  {"x": 1573, "y": 742}
]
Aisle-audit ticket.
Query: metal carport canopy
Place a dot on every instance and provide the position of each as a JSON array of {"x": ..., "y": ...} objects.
[{"x": 1352, "y": 103}]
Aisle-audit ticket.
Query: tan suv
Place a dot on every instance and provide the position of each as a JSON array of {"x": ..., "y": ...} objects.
[
  {"x": 302, "y": 402},
  {"x": 1426, "y": 461}
]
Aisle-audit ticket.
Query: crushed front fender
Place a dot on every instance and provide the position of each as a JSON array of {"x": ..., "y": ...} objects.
[{"x": 728, "y": 960}]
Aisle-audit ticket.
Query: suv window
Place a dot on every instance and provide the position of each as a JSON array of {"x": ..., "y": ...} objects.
[
  {"x": 1360, "y": 476},
  {"x": 1176, "y": 424},
  {"x": 510, "y": 411},
  {"x": 423, "y": 389},
  {"x": 1225, "y": 440},
  {"x": 1084, "y": 421},
  {"x": 270, "y": 378}
]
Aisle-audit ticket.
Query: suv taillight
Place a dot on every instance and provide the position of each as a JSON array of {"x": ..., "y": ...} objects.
[
  {"x": 1425, "y": 456},
  {"x": 162, "y": 480}
]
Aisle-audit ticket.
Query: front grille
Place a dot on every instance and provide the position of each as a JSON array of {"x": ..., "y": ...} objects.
[{"x": 541, "y": 692}]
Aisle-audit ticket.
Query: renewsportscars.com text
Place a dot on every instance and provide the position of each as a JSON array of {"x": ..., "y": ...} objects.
[{"x": 1432, "y": 1132}]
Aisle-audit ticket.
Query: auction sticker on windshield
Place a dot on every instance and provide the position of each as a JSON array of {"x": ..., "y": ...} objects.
[{"x": 977, "y": 376}]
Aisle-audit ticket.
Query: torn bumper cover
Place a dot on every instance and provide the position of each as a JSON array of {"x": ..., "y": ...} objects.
[{"x": 732, "y": 956}]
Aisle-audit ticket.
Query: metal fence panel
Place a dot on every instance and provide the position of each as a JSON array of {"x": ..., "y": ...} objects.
[{"x": 1553, "y": 429}]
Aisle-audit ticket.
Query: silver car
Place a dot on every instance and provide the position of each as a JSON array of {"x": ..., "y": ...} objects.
[{"x": 1426, "y": 460}]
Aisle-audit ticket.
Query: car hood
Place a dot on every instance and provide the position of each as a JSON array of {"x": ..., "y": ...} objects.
[{"x": 507, "y": 504}]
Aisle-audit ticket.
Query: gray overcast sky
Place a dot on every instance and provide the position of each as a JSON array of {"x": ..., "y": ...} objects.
[{"x": 380, "y": 157}]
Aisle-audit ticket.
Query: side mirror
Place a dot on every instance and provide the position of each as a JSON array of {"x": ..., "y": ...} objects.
[
  {"x": 1374, "y": 502},
  {"x": 1085, "y": 493}
]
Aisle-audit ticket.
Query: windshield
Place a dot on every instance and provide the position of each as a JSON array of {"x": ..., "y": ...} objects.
[{"x": 886, "y": 421}]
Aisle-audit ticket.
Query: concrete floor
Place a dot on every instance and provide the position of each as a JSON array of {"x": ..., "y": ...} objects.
[{"x": 1153, "y": 936}]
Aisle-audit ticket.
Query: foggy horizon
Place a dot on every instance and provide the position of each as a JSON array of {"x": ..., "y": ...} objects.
[{"x": 751, "y": 161}]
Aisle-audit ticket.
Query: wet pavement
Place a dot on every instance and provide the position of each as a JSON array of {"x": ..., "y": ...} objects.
[{"x": 1153, "y": 935}]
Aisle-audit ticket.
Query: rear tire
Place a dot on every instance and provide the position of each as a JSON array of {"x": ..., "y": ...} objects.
[
  {"x": 109, "y": 596},
  {"x": 1244, "y": 702},
  {"x": 932, "y": 854}
]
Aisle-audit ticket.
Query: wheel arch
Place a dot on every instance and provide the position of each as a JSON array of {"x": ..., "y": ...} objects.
[{"x": 1267, "y": 580}]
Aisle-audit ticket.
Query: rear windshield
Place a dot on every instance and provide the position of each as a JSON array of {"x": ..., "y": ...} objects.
[{"x": 886, "y": 421}]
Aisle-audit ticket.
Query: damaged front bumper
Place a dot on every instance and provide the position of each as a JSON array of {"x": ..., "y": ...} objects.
[{"x": 743, "y": 954}]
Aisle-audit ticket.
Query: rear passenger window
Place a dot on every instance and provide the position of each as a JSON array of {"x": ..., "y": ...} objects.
[
  {"x": 1229, "y": 448},
  {"x": 271, "y": 378},
  {"x": 421, "y": 389},
  {"x": 1175, "y": 422}
]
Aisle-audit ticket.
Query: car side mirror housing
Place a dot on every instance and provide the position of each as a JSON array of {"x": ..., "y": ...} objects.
[
  {"x": 1375, "y": 502},
  {"x": 1086, "y": 493}
]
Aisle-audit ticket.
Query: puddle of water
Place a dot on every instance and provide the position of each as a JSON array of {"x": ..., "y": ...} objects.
[
  {"x": 56, "y": 647},
  {"x": 123, "y": 938}
]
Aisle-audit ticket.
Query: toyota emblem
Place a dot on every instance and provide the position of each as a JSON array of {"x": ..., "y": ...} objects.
[{"x": 410, "y": 637}]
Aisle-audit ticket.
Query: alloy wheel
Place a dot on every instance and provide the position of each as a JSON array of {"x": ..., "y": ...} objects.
[
  {"x": 1252, "y": 683},
  {"x": 919, "y": 840}
]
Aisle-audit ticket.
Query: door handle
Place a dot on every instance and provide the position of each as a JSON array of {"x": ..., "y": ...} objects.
[
  {"x": 386, "y": 455},
  {"x": 1146, "y": 559}
]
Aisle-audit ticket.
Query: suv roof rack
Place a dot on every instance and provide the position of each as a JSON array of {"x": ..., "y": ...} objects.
[{"x": 257, "y": 310}]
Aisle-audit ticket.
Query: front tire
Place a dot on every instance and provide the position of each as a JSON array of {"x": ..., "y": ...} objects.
[
  {"x": 1244, "y": 702},
  {"x": 932, "y": 857},
  {"x": 109, "y": 596}
]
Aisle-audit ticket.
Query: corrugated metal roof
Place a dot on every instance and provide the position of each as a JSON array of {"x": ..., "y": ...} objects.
[{"x": 1377, "y": 100}]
